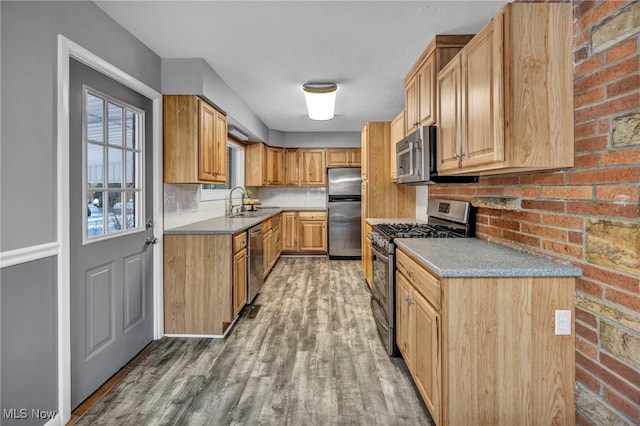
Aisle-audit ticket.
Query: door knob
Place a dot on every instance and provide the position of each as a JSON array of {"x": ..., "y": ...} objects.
[{"x": 151, "y": 240}]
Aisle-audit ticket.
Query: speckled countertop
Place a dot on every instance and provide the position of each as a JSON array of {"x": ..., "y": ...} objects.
[
  {"x": 472, "y": 257},
  {"x": 378, "y": 221},
  {"x": 223, "y": 225}
]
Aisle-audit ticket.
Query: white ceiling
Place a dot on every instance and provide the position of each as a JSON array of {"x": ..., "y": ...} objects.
[{"x": 265, "y": 50}]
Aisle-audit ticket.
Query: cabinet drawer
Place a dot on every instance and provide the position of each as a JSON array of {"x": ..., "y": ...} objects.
[
  {"x": 239, "y": 242},
  {"x": 266, "y": 225},
  {"x": 319, "y": 215},
  {"x": 423, "y": 281}
]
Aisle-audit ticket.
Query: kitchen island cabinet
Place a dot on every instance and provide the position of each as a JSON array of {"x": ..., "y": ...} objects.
[{"x": 476, "y": 328}]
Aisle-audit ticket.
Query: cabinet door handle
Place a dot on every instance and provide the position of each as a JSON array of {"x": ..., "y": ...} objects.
[{"x": 409, "y": 273}]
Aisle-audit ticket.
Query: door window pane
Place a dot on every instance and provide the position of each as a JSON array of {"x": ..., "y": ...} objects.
[
  {"x": 115, "y": 124},
  {"x": 95, "y": 118},
  {"x": 95, "y": 218},
  {"x": 115, "y": 168},
  {"x": 131, "y": 219},
  {"x": 114, "y": 210},
  {"x": 95, "y": 165},
  {"x": 113, "y": 183},
  {"x": 131, "y": 129},
  {"x": 130, "y": 169}
]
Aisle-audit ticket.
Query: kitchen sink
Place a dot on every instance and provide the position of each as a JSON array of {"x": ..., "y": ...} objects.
[{"x": 246, "y": 214}]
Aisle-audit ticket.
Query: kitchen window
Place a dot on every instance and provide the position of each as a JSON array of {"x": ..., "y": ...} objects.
[
  {"x": 113, "y": 142},
  {"x": 235, "y": 175}
]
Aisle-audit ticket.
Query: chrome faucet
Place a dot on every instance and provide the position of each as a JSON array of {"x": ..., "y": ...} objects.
[{"x": 230, "y": 206}]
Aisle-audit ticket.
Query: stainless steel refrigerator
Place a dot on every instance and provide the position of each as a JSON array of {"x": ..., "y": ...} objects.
[{"x": 344, "y": 205}]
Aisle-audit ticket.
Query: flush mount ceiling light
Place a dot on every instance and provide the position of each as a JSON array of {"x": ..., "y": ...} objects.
[{"x": 320, "y": 99}]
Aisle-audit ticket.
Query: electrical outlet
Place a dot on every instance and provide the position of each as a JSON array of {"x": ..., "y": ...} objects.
[{"x": 563, "y": 323}]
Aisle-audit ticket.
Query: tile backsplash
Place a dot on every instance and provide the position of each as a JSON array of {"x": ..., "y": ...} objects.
[
  {"x": 182, "y": 203},
  {"x": 292, "y": 196},
  {"x": 182, "y": 206}
]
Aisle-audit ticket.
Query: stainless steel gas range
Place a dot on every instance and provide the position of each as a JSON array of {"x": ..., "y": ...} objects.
[{"x": 446, "y": 219}]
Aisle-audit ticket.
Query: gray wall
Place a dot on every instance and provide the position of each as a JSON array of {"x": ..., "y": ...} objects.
[
  {"x": 195, "y": 76},
  {"x": 29, "y": 345},
  {"x": 29, "y": 70},
  {"x": 28, "y": 177},
  {"x": 322, "y": 139}
]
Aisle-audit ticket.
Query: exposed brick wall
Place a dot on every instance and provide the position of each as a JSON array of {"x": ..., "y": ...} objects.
[{"x": 589, "y": 215}]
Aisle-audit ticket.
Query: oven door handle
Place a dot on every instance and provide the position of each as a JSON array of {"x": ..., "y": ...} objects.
[
  {"x": 375, "y": 314},
  {"x": 376, "y": 253}
]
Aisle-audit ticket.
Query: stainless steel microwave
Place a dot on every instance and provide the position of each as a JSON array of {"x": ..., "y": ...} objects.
[{"x": 416, "y": 160}]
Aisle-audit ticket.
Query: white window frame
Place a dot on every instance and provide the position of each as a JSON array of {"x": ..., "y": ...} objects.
[{"x": 140, "y": 198}]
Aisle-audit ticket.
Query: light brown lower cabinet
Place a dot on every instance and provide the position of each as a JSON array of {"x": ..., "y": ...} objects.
[
  {"x": 267, "y": 251},
  {"x": 304, "y": 232},
  {"x": 272, "y": 242},
  {"x": 277, "y": 238},
  {"x": 482, "y": 350},
  {"x": 202, "y": 293},
  {"x": 239, "y": 271},
  {"x": 313, "y": 231},
  {"x": 290, "y": 231},
  {"x": 239, "y": 281}
]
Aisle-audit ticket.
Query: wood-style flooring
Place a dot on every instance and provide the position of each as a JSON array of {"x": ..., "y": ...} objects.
[{"x": 311, "y": 356}]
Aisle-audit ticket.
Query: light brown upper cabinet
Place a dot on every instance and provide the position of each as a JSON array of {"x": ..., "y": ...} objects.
[
  {"x": 194, "y": 141},
  {"x": 255, "y": 160},
  {"x": 397, "y": 134},
  {"x": 264, "y": 165},
  {"x": 269, "y": 166},
  {"x": 291, "y": 167},
  {"x": 420, "y": 82},
  {"x": 506, "y": 102},
  {"x": 343, "y": 157},
  {"x": 275, "y": 166},
  {"x": 312, "y": 167}
]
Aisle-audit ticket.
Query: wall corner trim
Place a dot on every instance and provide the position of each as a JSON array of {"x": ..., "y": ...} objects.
[{"x": 28, "y": 254}]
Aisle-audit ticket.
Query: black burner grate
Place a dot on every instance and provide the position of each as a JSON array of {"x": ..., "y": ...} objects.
[{"x": 419, "y": 230}]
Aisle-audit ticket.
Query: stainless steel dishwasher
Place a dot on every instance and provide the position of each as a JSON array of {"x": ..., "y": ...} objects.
[{"x": 256, "y": 267}]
